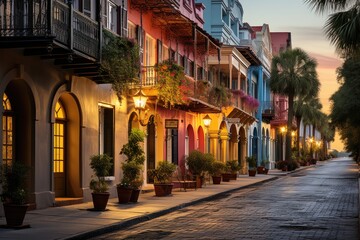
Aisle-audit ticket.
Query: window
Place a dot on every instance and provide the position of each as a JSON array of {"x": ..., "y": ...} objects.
[
  {"x": 106, "y": 132},
  {"x": 225, "y": 17},
  {"x": 172, "y": 146},
  {"x": 59, "y": 138},
  {"x": 150, "y": 51},
  {"x": 131, "y": 30},
  {"x": 165, "y": 53},
  {"x": 88, "y": 7},
  {"x": 110, "y": 16},
  {"x": 8, "y": 132}
]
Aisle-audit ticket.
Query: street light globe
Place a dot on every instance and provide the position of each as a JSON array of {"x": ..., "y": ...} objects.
[
  {"x": 207, "y": 120},
  {"x": 140, "y": 100}
]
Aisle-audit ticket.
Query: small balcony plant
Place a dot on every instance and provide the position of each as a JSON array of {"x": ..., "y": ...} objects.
[{"x": 172, "y": 85}]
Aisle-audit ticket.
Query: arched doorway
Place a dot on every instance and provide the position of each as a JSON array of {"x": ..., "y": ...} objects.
[
  {"x": 66, "y": 147},
  {"x": 254, "y": 143},
  {"x": 263, "y": 145},
  {"x": 233, "y": 152},
  {"x": 18, "y": 121},
  {"x": 267, "y": 145},
  {"x": 242, "y": 148},
  {"x": 201, "y": 138},
  {"x": 150, "y": 146},
  {"x": 190, "y": 138}
]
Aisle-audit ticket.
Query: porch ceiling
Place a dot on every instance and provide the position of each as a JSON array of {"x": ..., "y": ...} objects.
[
  {"x": 244, "y": 116},
  {"x": 249, "y": 55},
  {"x": 196, "y": 105}
]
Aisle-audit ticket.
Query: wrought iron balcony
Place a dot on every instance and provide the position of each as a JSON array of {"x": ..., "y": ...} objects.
[
  {"x": 52, "y": 29},
  {"x": 29, "y": 22},
  {"x": 268, "y": 111}
]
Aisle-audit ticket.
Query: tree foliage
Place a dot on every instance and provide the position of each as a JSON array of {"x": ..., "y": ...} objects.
[
  {"x": 345, "y": 113},
  {"x": 343, "y": 25},
  {"x": 120, "y": 63},
  {"x": 293, "y": 74}
]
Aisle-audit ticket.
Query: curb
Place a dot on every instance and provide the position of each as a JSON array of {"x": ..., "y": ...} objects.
[{"x": 144, "y": 218}]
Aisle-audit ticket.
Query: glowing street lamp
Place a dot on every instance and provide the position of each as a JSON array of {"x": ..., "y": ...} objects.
[
  {"x": 207, "y": 121},
  {"x": 140, "y": 100},
  {"x": 140, "y": 103}
]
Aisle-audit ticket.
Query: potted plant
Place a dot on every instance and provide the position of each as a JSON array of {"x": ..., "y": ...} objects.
[
  {"x": 282, "y": 165},
  {"x": 217, "y": 168},
  {"x": 232, "y": 169},
  {"x": 197, "y": 163},
  {"x": 267, "y": 166},
  {"x": 101, "y": 165},
  {"x": 129, "y": 188},
  {"x": 252, "y": 165},
  {"x": 261, "y": 168},
  {"x": 14, "y": 194},
  {"x": 162, "y": 178}
]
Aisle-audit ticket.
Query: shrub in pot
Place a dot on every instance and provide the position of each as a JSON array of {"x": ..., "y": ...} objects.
[
  {"x": 251, "y": 160},
  {"x": 282, "y": 165},
  {"x": 101, "y": 165},
  {"x": 13, "y": 195},
  {"x": 216, "y": 170},
  {"x": 162, "y": 178},
  {"x": 198, "y": 164},
  {"x": 232, "y": 169},
  {"x": 129, "y": 187}
]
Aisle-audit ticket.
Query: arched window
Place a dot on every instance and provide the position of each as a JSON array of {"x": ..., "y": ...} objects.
[
  {"x": 59, "y": 138},
  {"x": 8, "y": 132}
]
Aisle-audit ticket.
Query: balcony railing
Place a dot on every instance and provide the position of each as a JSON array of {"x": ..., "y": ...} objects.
[
  {"x": 148, "y": 76},
  {"x": 46, "y": 18}
]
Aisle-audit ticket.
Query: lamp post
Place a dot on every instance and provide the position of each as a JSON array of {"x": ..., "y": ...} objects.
[
  {"x": 207, "y": 121},
  {"x": 283, "y": 131}
]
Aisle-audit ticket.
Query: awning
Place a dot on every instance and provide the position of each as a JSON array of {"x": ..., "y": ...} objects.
[
  {"x": 196, "y": 105},
  {"x": 244, "y": 117}
]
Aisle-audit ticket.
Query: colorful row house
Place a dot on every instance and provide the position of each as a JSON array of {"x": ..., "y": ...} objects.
[
  {"x": 59, "y": 109},
  {"x": 224, "y": 21}
]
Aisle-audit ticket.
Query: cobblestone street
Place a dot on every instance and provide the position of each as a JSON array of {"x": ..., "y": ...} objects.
[{"x": 316, "y": 203}]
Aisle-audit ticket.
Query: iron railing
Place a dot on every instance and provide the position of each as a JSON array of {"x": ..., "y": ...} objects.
[{"x": 43, "y": 18}]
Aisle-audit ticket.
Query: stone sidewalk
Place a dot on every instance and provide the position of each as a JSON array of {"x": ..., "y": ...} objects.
[{"x": 77, "y": 222}]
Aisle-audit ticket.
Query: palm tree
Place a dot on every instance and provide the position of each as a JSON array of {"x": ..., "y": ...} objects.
[
  {"x": 342, "y": 27},
  {"x": 305, "y": 109},
  {"x": 293, "y": 74}
]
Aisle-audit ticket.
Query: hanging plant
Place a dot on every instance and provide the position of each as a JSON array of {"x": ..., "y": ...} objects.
[
  {"x": 238, "y": 93},
  {"x": 220, "y": 96},
  {"x": 250, "y": 102},
  {"x": 120, "y": 62},
  {"x": 172, "y": 86}
]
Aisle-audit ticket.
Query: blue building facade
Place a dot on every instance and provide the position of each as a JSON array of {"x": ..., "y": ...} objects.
[{"x": 224, "y": 21}]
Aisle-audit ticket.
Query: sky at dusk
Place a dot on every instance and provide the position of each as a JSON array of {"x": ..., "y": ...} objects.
[{"x": 307, "y": 33}]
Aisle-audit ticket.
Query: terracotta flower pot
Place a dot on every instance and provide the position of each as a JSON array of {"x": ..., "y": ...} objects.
[
  {"x": 135, "y": 195},
  {"x": 216, "y": 179},
  {"x": 15, "y": 214},
  {"x": 100, "y": 200},
  {"x": 162, "y": 190},
  {"x": 252, "y": 172},
  {"x": 124, "y": 194},
  {"x": 226, "y": 177}
]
